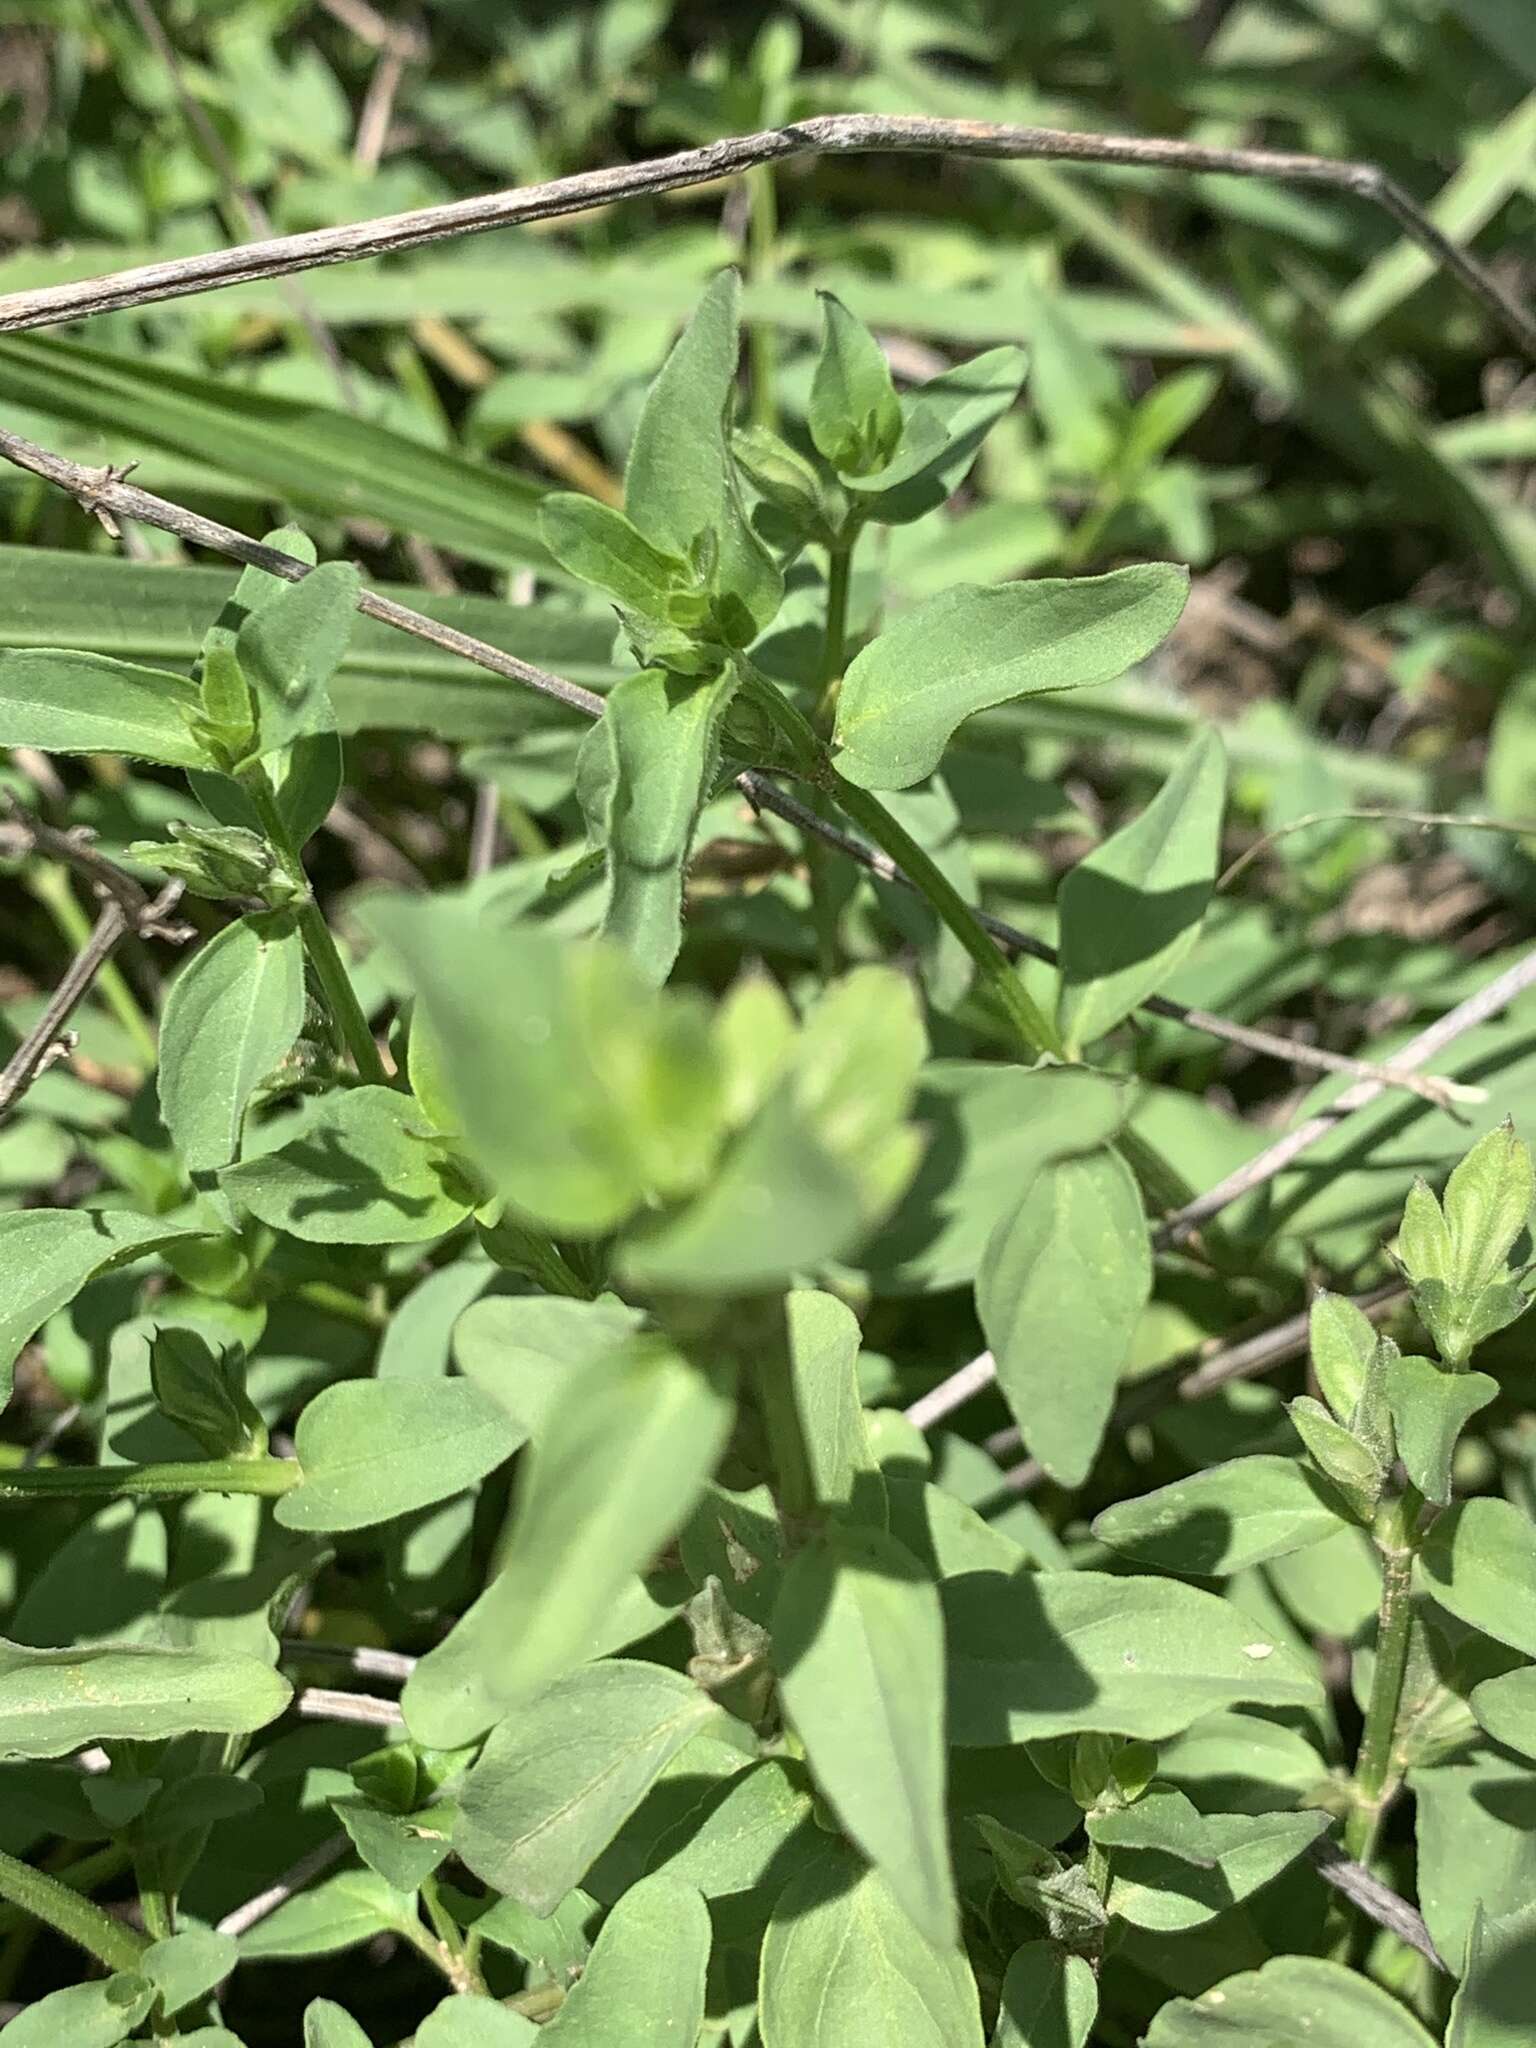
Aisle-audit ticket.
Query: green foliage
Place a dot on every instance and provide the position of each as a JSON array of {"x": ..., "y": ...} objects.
[{"x": 533, "y": 1279}]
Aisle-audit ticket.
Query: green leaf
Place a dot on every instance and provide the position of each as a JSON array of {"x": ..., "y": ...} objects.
[
  {"x": 660, "y": 736},
  {"x": 525, "y": 1350},
  {"x": 1131, "y": 910},
  {"x": 461, "y": 2022},
  {"x": 1430, "y": 1408},
  {"x": 990, "y": 1128},
  {"x": 1224, "y": 1519},
  {"x": 1050, "y": 1999},
  {"x": 202, "y": 1390},
  {"x": 97, "y": 2015},
  {"x": 187, "y": 1966},
  {"x": 290, "y": 649},
  {"x": 1506, "y": 1709},
  {"x": 232, "y": 1015},
  {"x": 1050, "y": 1653},
  {"x": 644, "y": 1983},
  {"x": 1346, "y": 1461},
  {"x": 854, "y": 414},
  {"x": 1062, "y": 1285},
  {"x": 780, "y": 1204},
  {"x": 1343, "y": 1341},
  {"x": 739, "y": 1835},
  {"x": 1479, "y": 1562},
  {"x": 47, "y": 1255},
  {"x": 373, "y": 1449},
  {"x": 1487, "y": 1203},
  {"x": 598, "y": 545},
  {"x": 404, "y": 1848},
  {"x": 1174, "y": 1868},
  {"x": 1292, "y": 1998},
  {"x": 1423, "y": 1239},
  {"x": 582, "y": 1093},
  {"x": 1490, "y": 2006},
  {"x": 330, "y": 2026},
  {"x": 674, "y": 482},
  {"x": 947, "y": 419},
  {"x": 55, "y": 1701},
  {"x": 972, "y": 648},
  {"x": 1475, "y": 1825},
  {"x": 824, "y": 1339},
  {"x": 558, "y": 1778},
  {"x": 337, "y": 1913},
  {"x": 859, "y": 1647},
  {"x": 842, "y": 1964},
  {"x": 613, "y": 1478},
  {"x": 89, "y": 704},
  {"x": 366, "y": 1168}
]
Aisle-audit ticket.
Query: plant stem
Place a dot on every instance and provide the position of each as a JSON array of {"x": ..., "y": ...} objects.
[
  {"x": 1032, "y": 1026},
  {"x": 77, "y": 1919},
  {"x": 762, "y": 261},
  {"x": 834, "y": 649},
  {"x": 81, "y": 1876},
  {"x": 265, "y": 1476},
  {"x": 814, "y": 763},
  {"x": 330, "y": 970},
  {"x": 53, "y": 891},
  {"x": 1376, "y": 1766}
]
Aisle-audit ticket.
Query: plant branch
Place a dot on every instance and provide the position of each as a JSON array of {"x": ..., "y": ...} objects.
[
  {"x": 78, "y": 1919},
  {"x": 827, "y": 135},
  {"x": 267, "y": 1477}
]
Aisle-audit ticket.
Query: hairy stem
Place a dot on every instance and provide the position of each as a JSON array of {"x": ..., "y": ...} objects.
[
  {"x": 330, "y": 970},
  {"x": 265, "y": 1476},
  {"x": 1376, "y": 1766},
  {"x": 76, "y": 1918}
]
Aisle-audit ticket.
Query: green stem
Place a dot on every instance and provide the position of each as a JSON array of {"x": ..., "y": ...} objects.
[
  {"x": 83, "y": 1875},
  {"x": 834, "y": 648},
  {"x": 762, "y": 261},
  {"x": 77, "y": 1919},
  {"x": 336, "y": 1301},
  {"x": 1035, "y": 1030},
  {"x": 53, "y": 891},
  {"x": 265, "y": 1476},
  {"x": 329, "y": 968},
  {"x": 814, "y": 763},
  {"x": 1376, "y": 1767}
]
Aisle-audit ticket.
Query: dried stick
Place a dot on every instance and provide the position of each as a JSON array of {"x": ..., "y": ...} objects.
[
  {"x": 367, "y": 1710},
  {"x": 367, "y": 1662},
  {"x": 243, "y": 1918},
  {"x": 832, "y": 134},
  {"x": 107, "y": 491},
  {"x": 45, "y": 1042}
]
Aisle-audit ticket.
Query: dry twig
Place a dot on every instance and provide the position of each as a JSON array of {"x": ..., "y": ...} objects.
[{"x": 828, "y": 135}]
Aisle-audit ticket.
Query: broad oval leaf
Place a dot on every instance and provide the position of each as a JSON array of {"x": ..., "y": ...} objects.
[
  {"x": 1479, "y": 1561},
  {"x": 612, "y": 1479},
  {"x": 1050, "y": 1999},
  {"x": 91, "y": 2015},
  {"x": 823, "y": 1360},
  {"x": 47, "y": 1255},
  {"x": 600, "y": 546},
  {"x": 858, "y": 1641},
  {"x": 461, "y": 2022},
  {"x": 1293, "y": 1998},
  {"x": 854, "y": 415},
  {"x": 842, "y": 1963},
  {"x": 1430, "y": 1408},
  {"x": 1131, "y": 910},
  {"x": 644, "y": 1982},
  {"x": 369, "y": 1450},
  {"x": 1052, "y": 1653},
  {"x": 660, "y": 734},
  {"x": 674, "y": 481},
  {"x": 55, "y": 1701},
  {"x": 582, "y": 1093},
  {"x": 1225, "y": 1519},
  {"x": 989, "y": 1129},
  {"x": 733, "y": 1841},
  {"x": 1061, "y": 1289},
  {"x": 972, "y": 648},
  {"x": 1194, "y": 1866},
  {"x": 232, "y": 1015},
  {"x": 948, "y": 418},
  {"x": 1506, "y": 1709},
  {"x": 560, "y": 1776},
  {"x": 291, "y": 646},
  {"x": 366, "y": 1167},
  {"x": 90, "y": 704},
  {"x": 188, "y": 1965},
  {"x": 328, "y": 2025},
  {"x": 324, "y": 1918},
  {"x": 525, "y": 1350}
]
